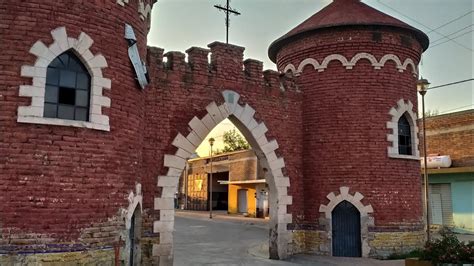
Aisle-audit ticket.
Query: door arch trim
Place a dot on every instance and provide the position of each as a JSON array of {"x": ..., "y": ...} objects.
[{"x": 366, "y": 219}]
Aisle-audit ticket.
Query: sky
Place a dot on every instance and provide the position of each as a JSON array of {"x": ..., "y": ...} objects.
[{"x": 177, "y": 25}]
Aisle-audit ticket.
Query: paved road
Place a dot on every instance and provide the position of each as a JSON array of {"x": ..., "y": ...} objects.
[{"x": 238, "y": 241}]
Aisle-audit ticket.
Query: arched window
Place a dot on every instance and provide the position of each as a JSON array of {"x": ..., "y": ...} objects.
[
  {"x": 68, "y": 86},
  {"x": 404, "y": 136}
]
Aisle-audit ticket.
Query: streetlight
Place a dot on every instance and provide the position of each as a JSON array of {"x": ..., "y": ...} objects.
[
  {"x": 211, "y": 142},
  {"x": 422, "y": 86}
]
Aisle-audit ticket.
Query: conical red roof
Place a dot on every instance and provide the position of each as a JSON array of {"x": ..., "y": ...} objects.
[{"x": 344, "y": 13}]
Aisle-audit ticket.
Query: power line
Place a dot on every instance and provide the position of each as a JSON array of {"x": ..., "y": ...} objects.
[
  {"x": 451, "y": 34},
  {"x": 453, "y": 38},
  {"x": 433, "y": 30},
  {"x": 454, "y": 109},
  {"x": 449, "y": 22},
  {"x": 450, "y": 84}
]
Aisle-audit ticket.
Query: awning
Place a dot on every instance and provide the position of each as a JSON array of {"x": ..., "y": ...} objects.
[{"x": 255, "y": 181}]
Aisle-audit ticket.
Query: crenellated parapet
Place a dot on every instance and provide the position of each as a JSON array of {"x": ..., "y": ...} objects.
[{"x": 219, "y": 63}]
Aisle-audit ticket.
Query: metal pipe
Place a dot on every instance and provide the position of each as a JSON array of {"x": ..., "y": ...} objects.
[
  {"x": 425, "y": 172},
  {"x": 210, "y": 189},
  {"x": 186, "y": 173}
]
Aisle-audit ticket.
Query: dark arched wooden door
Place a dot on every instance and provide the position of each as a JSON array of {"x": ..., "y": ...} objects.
[{"x": 346, "y": 240}]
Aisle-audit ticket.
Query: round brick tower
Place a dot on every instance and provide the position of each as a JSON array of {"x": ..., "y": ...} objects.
[
  {"x": 356, "y": 68},
  {"x": 71, "y": 122}
]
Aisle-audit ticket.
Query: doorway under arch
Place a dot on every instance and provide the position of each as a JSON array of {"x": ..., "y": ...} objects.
[{"x": 255, "y": 133}]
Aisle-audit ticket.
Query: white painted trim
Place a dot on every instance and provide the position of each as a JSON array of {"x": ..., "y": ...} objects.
[
  {"x": 45, "y": 55},
  {"x": 135, "y": 200},
  {"x": 255, "y": 133},
  {"x": 364, "y": 210},
  {"x": 122, "y": 2},
  {"x": 349, "y": 64},
  {"x": 144, "y": 10},
  {"x": 396, "y": 112}
]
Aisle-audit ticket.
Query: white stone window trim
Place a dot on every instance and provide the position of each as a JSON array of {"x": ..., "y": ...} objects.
[
  {"x": 36, "y": 91},
  {"x": 366, "y": 219},
  {"x": 349, "y": 64},
  {"x": 403, "y": 108},
  {"x": 199, "y": 128}
]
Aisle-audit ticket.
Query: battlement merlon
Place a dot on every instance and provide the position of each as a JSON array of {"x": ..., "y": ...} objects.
[
  {"x": 226, "y": 62},
  {"x": 198, "y": 59}
]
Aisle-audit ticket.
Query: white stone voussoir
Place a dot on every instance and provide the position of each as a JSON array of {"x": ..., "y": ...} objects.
[{"x": 183, "y": 143}]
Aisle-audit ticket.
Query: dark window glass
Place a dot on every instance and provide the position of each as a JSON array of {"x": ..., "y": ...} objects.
[
  {"x": 67, "y": 79},
  {"x": 82, "y": 81},
  {"x": 81, "y": 114},
  {"x": 50, "y": 110},
  {"x": 67, "y": 96},
  {"x": 66, "y": 111},
  {"x": 51, "y": 95},
  {"x": 67, "y": 89},
  {"x": 404, "y": 136},
  {"x": 82, "y": 98},
  {"x": 52, "y": 76}
]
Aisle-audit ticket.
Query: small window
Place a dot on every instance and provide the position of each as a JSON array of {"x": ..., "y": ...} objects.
[
  {"x": 406, "y": 41},
  {"x": 67, "y": 89},
  {"x": 376, "y": 36},
  {"x": 404, "y": 136}
]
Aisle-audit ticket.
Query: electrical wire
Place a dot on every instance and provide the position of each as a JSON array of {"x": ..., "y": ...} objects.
[
  {"x": 450, "y": 84},
  {"x": 451, "y": 34},
  {"x": 449, "y": 22},
  {"x": 454, "y": 109},
  {"x": 394, "y": 10},
  {"x": 453, "y": 39}
]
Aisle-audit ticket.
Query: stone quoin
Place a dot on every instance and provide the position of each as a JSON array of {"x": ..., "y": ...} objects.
[{"x": 329, "y": 128}]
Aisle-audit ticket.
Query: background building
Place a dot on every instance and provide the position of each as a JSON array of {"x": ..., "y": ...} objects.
[
  {"x": 239, "y": 185},
  {"x": 452, "y": 189}
]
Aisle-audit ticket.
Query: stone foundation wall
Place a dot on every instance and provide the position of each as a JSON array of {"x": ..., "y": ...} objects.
[
  {"x": 309, "y": 241},
  {"x": 381, "y": 244},
  {"x": 103, "y": 257}
]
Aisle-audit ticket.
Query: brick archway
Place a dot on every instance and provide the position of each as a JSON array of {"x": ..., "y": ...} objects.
[{"x": 254, "y": 132}]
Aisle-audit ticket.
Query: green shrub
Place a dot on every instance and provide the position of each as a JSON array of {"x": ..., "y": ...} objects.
[
  {"x": 417, "y": 253},
  {"x": 448, "y": 249}
]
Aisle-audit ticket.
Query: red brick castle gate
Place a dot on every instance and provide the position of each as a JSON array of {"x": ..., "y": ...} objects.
[{"x": 73, "y": 186}]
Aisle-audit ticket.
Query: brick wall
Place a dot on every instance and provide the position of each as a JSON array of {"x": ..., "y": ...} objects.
[
  {"x": 63, "y": 182},
  {"x": 453, "y": 135}
]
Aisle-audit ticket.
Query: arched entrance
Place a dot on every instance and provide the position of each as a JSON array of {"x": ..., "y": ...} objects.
[
  {"x": 243, "y": 118},
  {"x": 363, "y": 215},
  {"x": 134, "y": 238},
  {"x": 346, "y": 238}
]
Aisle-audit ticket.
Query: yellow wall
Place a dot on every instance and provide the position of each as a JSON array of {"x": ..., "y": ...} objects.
[{"x": 251, "y": 200}]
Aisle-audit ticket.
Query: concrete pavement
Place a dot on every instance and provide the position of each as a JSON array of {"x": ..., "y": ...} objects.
[{"x": 236, "y": 240}]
